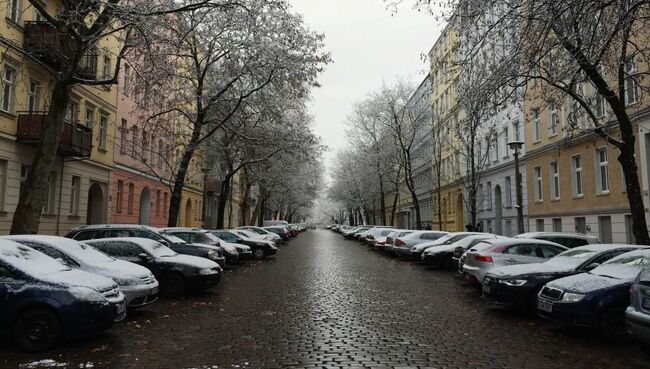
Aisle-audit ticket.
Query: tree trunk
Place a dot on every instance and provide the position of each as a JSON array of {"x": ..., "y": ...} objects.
[
  {"x": 416, "y": 206},
  {"x": 243, "y": 221},
  {"x": 224, "y": 193},
  {"x": 634, "y": 196},
  {"x": 440, "y": 209},
  {"x": 351, "y": 217},
  {"x": 382, "y": 199},
  {"x": 394, "y": 212},
  {"x": 179, "y": 183},
  {"x": 33, "y": 191}
]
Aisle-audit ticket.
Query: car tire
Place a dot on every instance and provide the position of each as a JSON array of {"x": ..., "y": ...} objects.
[
  {"x": 37, "y": 329},
  {"x": 173, "y": 286},
  {"x": 612, "y": 325},
  {"x": 258, "y": 253}
]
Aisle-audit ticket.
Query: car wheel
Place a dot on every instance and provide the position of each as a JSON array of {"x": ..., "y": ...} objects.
[
  {"x": 37, "y": 329},
  {"x": 258, "y": 253},
  {"x": 612, "y": 325},
  {"x": 172, "y": 286}
]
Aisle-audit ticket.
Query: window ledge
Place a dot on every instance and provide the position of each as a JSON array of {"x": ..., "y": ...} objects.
[
  {"x": 578, "y": 196},
  {"x": 48, "y": 215},
  {"x": 552, "y": 135},
  {"x": 7, "y": 114},
  {"x": 74, "y": 217},
  {"x": 14, "y": 24},
  {"x": 539, "y": 201},
  {"x": 604, "y": 193},
  {"x": 102, "y": 150},
  {"x": 555, "y": 200}
]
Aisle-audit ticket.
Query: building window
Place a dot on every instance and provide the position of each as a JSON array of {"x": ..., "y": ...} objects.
[
  {"x": 602, "y": 170},
  {"x": 3, "y": 183},
  {"x": 515, "y": 129},
  {"x": 72, "y": 114},
  {"x": 158, "y": 203},
  {"x": 539, "y": 223},
  {"x": 557, "y": 224},
  {"x": 479, "y": 197},
  {"x": 506, "y": 139},
  {"x": 537, "y": 130},
  {"x": 127, "y": 75},
  {"x": 129, "y": 204},
  {"x": 552, "y": 119},
  {"x": 107, "y": 67},
  {"x": 34, "y": 95},
  {"x": 8, "y": 88},
  {"x": 50, "y": 200},
  {"x": 75, "y": 193},
  {"x": 134, "y": 140},
  {"x": 600, "y": 108},
  {"x": 15, "y": 10},
  {"x": 605, "y": 229},
  {"x": 145, "y": 145},
  {"x": 119, "y": 196},
  {"x": 161, "y": 155},
  {"x": 537, "y": 174},
  {"x": 555, "y": 180},
  {"x": 165, "y": 204},
  {"x": 488, "y": 195},
  {"x": 630, "y": 82},
  {"x": 103, "y": 129},
  {"x": 580, "y": 225},
  {"x": 576, "y": 175},
  {"x": 123, "y": 132},
  {"x": 90, "y": 117},
  {"x": 508, "y": 191}
]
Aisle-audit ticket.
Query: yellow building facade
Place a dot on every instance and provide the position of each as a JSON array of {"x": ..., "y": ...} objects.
[
  {"x": 79, "y": 189},
  {"x": 448, "y": 205}
]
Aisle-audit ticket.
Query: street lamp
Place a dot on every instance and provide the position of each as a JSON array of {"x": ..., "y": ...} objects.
[{"x": 516, "y": 146}]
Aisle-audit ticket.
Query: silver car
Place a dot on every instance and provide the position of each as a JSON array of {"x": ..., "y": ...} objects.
[
  {"x": 567, "y": 239},
  {"x": 442, "y": 255},
  {"x": 375, "y": 232},
  {"x": 507, "y": 251},
  {"x": 637, "y": 315},
  {"x": 417, "y": 250},
  {"x": 390, "y": 239},
  {"x": 270, "y": 236},
  {"x": 139, "y": 286}
]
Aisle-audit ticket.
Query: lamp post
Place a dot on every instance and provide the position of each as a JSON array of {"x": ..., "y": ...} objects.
[{"x": 516, "y": 146}]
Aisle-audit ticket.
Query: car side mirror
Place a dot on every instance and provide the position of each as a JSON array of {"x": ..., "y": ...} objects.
[
  {"x": 592, "y": 266},
  {"x": 144, "y": 257}
]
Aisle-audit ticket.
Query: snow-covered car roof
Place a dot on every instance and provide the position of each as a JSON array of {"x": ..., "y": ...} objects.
[
  {"x": 28, "y": 260},
  {"x": 77, "y": 250},
  {"x": 558, "y": 234}
]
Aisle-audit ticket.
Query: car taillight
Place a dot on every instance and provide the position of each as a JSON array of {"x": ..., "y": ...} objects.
[
  {"x": 400, "y": 243},
  {"x": 381, "y": 242},
  {"x": 483, "y": 258}
]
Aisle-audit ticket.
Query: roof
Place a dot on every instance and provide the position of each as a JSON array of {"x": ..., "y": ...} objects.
[
  {"x": 106, "y": 226},
  {"x": 561, "y": 234},
  {"x": 184, "y": 229},
  {"x": 508, "y": 241}
]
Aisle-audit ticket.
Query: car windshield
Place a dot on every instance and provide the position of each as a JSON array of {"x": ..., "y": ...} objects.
[
  {"x": 571, "y": 258},
  {"x": 88, "y": 253},
  {"x": 29, "y": 260},
  {"x": 172, "y": 238},
  {"x": 157, "y": 249},
  {"x": 455, "y": 238},
  {"x": 626, "y": 266}
]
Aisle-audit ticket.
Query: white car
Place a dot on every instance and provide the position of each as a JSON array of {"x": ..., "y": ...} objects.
[
  {"x": 404, "y": 244},
  {"x": 138, "y": 284},
  {"x": 442, "y": 255},
  {"x": 376, "y": 232},
  {"x": 417, "y": 250},
  {"x": 270, "y": 236}
]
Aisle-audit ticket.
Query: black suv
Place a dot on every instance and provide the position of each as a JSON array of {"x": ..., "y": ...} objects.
[{"x": 93, "y": 232}]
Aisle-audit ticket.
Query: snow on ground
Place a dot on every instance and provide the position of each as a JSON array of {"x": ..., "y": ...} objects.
[{"x": 49, "y": 363}]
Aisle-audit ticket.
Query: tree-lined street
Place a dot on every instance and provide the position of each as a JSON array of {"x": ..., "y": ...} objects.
[{"x": 325, "y": 302}]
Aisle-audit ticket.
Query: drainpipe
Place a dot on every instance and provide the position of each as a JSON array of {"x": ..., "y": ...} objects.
[{"x": 58, "y": 215}]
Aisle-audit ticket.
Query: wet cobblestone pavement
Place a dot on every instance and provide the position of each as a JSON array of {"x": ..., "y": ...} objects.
[{"x": 324, "y": 302}]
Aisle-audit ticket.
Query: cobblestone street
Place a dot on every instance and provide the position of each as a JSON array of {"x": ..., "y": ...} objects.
[{"x": 324, "y": 302}]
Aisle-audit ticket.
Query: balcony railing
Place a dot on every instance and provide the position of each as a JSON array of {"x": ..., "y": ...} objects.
[
  {"x": 45, "y": 42},
  {"x": 76, "y": 139}
]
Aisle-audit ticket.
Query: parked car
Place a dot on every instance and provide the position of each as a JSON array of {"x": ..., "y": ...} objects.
[
  {"x": 441, "y": 256},
  {"x": 177, "y": 273},
  {"x": 92, "y": 232},
  {"x": 361, "y": 234},
  {"x": 460, "y": 254},
  {"x": 508, "y": 251},
  {"x": 202, "y": 236},
  {"x": 595, "y": 299},
  {"x": 518, "y": 285},
  {"x": 272, "y": 223},
  {"x": 282, "y": 232},
  {"x": 567, "y": 239},
  {"x": 271, "y": 236},
  {"x": 350, "y": 233},
  {"x": 139, "y": 286},
  {"x": 447, "y": 239},
  {"x": 383, "y": 238},
  {"x": 260, "y": 248},
  {"x": 376, "y": 232},
  {"x": 403, "y": 245},
  {"x": 637, "y": 315},
  {"x": 44, "y": 301},
  {"x": 389, "y": 247}
]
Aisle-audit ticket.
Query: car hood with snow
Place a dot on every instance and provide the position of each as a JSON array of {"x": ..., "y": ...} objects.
[
  {"x": 521, "y": 270},
  {"x": 190, "y": 261},
  {"x": 585, "y": 283}
]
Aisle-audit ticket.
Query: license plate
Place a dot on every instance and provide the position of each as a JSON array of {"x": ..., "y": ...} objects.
[
  {"x": 154, "y": 291},
  {"x": 545, "y": 306},
  {"x": 121, "y": 308},
  {"x": 487, "y": 289}
]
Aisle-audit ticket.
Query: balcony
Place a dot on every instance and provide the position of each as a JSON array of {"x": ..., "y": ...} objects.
[
  {"x": 43, "y": 41},
  {"x": 76, "y": 139}
]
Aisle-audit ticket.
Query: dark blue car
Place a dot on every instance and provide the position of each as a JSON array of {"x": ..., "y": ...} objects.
[
  {"x": 44, "y": 301},
  {"x": 596, "y": 299}
]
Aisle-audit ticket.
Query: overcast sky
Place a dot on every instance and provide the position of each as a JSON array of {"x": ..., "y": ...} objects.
[{"x": 368, "y": 45}]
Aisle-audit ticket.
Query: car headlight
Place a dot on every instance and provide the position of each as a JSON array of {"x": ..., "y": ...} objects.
[
  {"x": 213, "y": 255},
  {"x": 87, "y": 294},
  {"x": 207, "y": 271},
  {"x": 572, "y": 297},
  {"x": 414, "y": 249},
  {"x": 126, "y": 282},
  {"x": 514, "y": 282}
]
